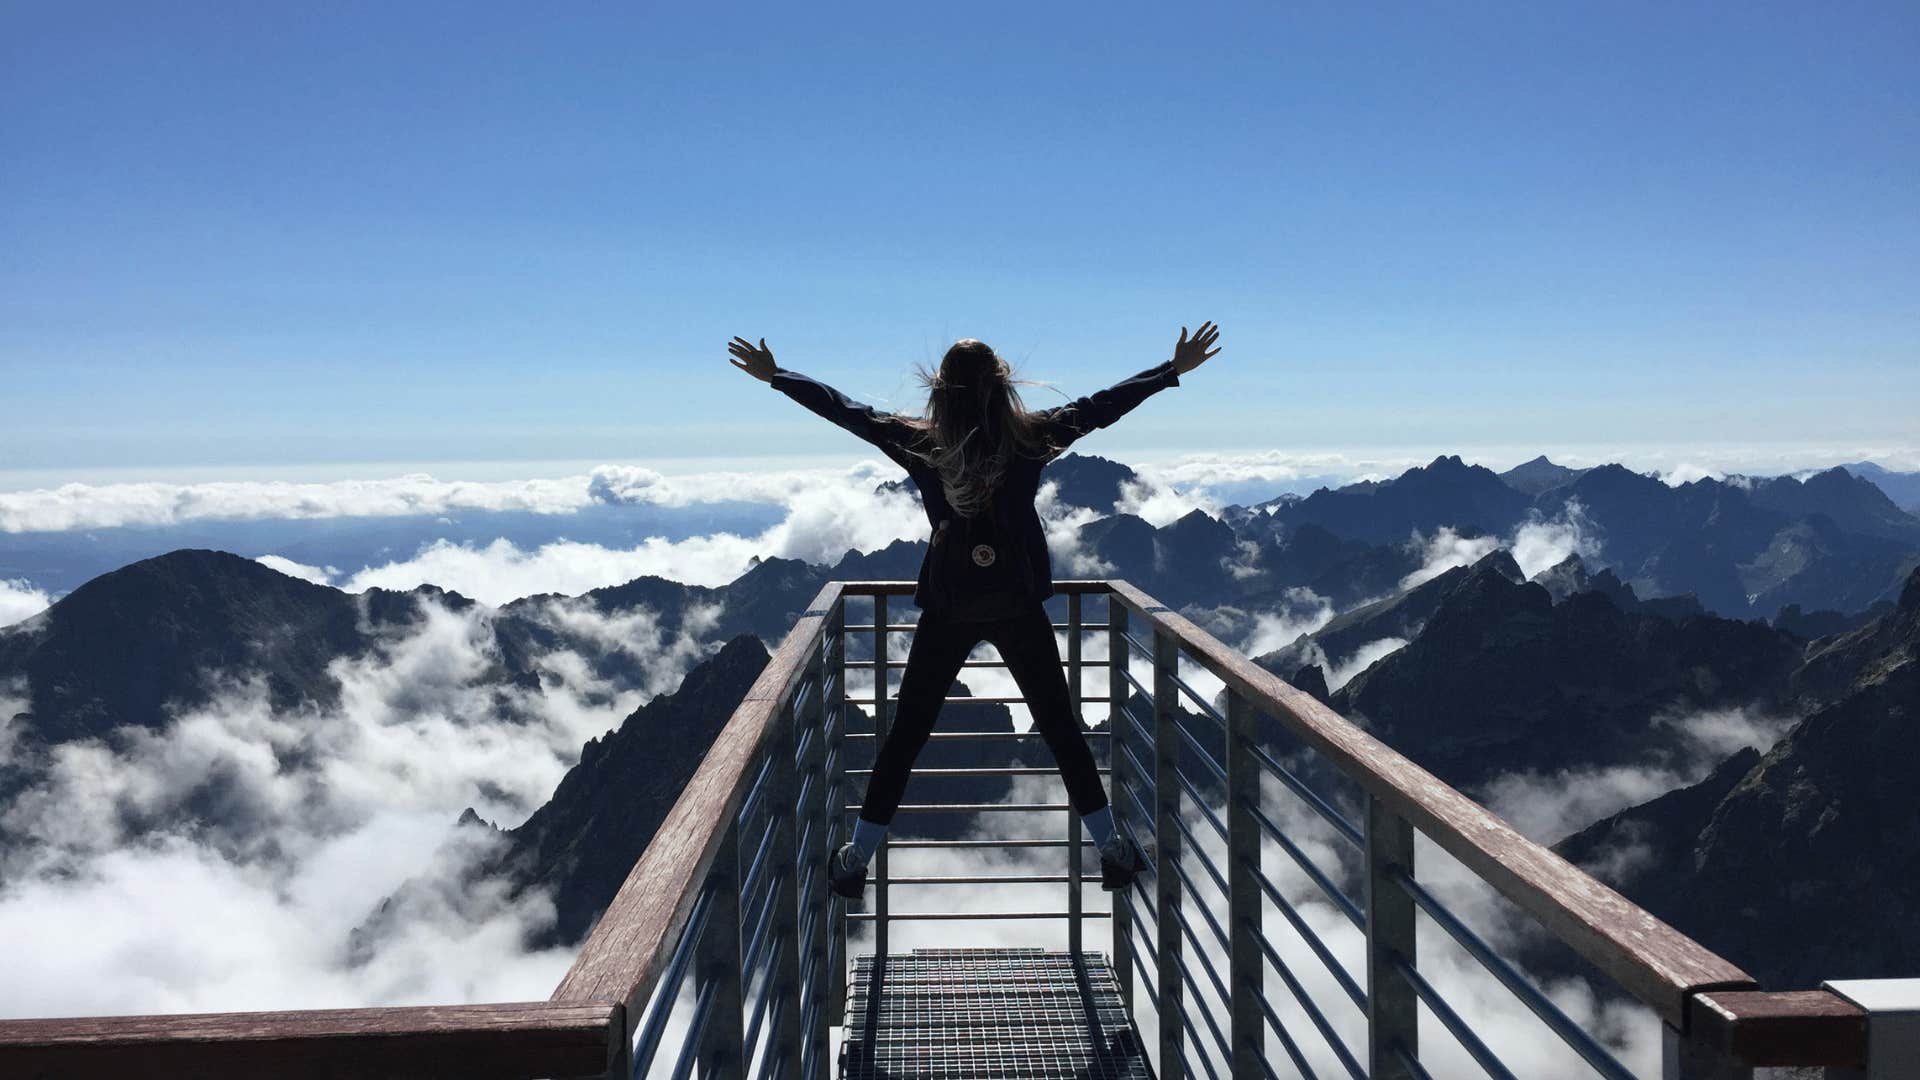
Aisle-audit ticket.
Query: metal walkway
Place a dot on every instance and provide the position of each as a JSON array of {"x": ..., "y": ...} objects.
[{"x": 956, "y": 1014}]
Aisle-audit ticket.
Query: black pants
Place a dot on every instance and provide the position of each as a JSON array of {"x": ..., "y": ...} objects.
[{"x": 939, "y": 645}]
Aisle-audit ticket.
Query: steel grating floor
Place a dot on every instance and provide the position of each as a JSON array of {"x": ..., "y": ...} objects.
[{"x": 956, "y": 1014}]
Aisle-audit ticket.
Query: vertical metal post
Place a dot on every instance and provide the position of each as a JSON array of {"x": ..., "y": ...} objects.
[
  {"x": 1244, "y": 962},
  {"x": 1893, "y": 1025},
  {"x": 717, "y": 965},
  {"x": 836, "y": 726},
  {"x": 1166, "y": 805},
  {"x": 1392, "y": 1009},
  {"x": 784, "y": 971},
  {"x": 1118, "y": 690},
  {"x": 818, "y": 814},
  {"x": 879, "y": 736},
  {"x": 1073, "y": 816}
]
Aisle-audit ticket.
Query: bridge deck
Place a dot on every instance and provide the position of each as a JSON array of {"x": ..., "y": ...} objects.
[{"x": 955, "y": 1014}]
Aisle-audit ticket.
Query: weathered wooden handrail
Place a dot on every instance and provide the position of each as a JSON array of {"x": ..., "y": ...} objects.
[
  {"x": 517, "y": 1039},
  {"x": 1655, "y": 963},
  {"x": 628, "y": 947}
]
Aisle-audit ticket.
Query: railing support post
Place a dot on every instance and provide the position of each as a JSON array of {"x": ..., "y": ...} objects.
[
  {"x": 831, "y": 818},
  {"x": 1245, "y": 966},
  {"x": 1118, "y": 690},
  {"x": 1392, "y": 1007},
  {"x": 717, "y": 965},
  {"x": 879, "y": 737},
  {"x": 1073, "y": 816},
  {"x": 811, "y": 872},
  {"x": 1166, "y": 807},
  {"x": 784, "y": 971}
]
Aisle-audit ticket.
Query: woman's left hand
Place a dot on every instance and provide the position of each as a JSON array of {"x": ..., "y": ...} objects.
[{"x": 756, "y": 361}]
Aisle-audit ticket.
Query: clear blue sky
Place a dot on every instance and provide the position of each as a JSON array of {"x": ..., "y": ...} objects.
[{"x": 273, "y": 234}]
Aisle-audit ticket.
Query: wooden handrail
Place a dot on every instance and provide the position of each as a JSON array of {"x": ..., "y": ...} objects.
[
  {"x": 516, "y": 1039},
  {"x": 1657, "y": 964},
  {"x": 1782, "y": 1027},
  {"x": 628, "y": 948}
]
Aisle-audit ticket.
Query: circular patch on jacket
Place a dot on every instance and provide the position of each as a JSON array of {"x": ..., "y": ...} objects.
[{"x": 982, "y": 555}]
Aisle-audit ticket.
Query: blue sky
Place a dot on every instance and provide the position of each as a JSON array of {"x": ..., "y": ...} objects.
[{"x": 254, "y": 236}]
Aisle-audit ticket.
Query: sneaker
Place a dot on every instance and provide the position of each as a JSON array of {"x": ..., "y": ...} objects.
[
  {"x": 843, "y": 877},
  {"x": 1120, "y": 863}
]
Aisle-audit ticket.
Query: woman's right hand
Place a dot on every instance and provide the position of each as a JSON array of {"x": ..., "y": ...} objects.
[
  {"x": 1190, "y": 354},
  {"x": 755, "y": 361}
]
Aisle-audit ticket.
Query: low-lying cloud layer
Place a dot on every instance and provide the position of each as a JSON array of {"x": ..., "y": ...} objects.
[
  {"x": 1538, "y": 544},
  {"x": 222, "y": 861},
  {"x": 20, "y": 601}
]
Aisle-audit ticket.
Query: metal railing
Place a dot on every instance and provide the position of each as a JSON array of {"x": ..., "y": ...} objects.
[{"x": 722, "y": 954}]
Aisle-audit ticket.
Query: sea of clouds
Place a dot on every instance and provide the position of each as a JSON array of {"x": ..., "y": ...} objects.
[{"x": 223, "y": 860}]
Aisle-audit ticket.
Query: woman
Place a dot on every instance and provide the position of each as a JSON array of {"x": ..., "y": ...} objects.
[{"x": 976, "y": 459}]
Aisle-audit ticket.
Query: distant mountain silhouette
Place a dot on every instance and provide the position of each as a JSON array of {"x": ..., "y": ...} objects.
[
  {"x": 1539, "y": 475},
  {"x": 1902, "y": 487},
  {"x": 1446, "y": 492}
]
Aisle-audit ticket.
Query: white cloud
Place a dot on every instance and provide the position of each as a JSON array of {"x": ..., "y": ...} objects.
[
  {"x": 1536, "y": 544},
  {"x": 99, "y": 506},
  {"x": 1548, "y": 807},
  {"x": 1303, "y": 612},
  {"x": 319, "y": 575},
  {"x": 20, "y": 601},
  {"x": 1444, "y": 550},
  {"x": 1341, "y": 672},
  {"x": 251, "y": 839},
  {"x": 1541, "y": 543}
]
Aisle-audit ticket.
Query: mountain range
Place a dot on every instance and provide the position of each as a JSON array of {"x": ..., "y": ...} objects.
[{"x": 1412, "y": 613}]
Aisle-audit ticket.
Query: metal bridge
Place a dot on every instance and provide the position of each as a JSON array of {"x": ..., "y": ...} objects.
[{"x": 723, "y": 954}]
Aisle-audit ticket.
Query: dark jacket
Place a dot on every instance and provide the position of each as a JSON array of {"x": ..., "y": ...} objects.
[{"x": 1012, "y": 501}]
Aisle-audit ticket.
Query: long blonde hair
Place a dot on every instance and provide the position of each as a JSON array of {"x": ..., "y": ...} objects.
[{"x": 976, "y": 425}]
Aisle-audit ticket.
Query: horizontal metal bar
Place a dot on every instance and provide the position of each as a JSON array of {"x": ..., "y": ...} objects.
[
  {"x": 907, "y": 627},
  {"x": 1206, "y": 862},
  {"x": 979, "y": 699},
  {"x": 1461, "y": 1030},
  {"x": 1085, "y": 664},
  {"x": 1213, "y": 765},
  {"x": 1135, "y": 642},
  {"x": 1334, "y": 817},
  {"x": 1287, "y": 1043},
  {"x": 1571, "y": 1033},
  {"x": 1313, "y": 1011},
  {"x": 696, "y": 1027},
  {"x": 764, "y": 998},
  {"x": 1412, "y": 1064},
  {"x": 1313, "y": 941},
  {"x": 995, "y": 771},
  {"x": 750, "y": 805},
  {"x": 1314, "y": 873},
  {"x": 866, "y": 916},
  {"x": 963, "y": 844},
  {"x": 989, "y": 879},
  {"x": 1193, "y": 796},
  {"x": 1205, "y": 706},
  {"x": 971, "y": 736},
  {"x": 1137, "y": 684},
  {"x": 965, "y": 808},
  {"x": 667, "y": 990},
  {"x": 1186, "y": 975}
]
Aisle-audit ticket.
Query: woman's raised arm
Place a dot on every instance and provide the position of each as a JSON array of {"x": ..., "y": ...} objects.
[
  {"x": 862, "y": 420},
  {"x": 1101, "y": 408}
]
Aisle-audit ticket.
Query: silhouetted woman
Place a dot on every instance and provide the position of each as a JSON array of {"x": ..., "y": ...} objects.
[{"x": 976, "y": 459}]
